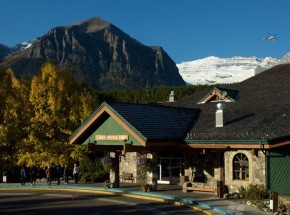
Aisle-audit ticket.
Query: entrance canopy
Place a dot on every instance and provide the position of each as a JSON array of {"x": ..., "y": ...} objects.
[{"x": 118, "y": 125}]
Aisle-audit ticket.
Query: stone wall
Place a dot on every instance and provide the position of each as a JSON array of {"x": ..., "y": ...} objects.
[
  {"x": 257, "y": 169},
  {"x": 210, "y": 165},
  {"x": 128, "y": 163},
  {"x": 207, "y": 163}
]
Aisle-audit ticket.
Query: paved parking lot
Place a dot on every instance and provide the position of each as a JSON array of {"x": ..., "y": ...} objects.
[
  {"x": 47, "y": 202},
  {"x": 201, "y": 200}
]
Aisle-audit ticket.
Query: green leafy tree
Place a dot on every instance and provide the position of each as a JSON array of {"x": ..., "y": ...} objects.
[{"x": 91, "y": 167}]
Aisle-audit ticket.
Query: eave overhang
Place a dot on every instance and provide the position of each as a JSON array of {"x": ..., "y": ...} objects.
[
  {"x": 105, "y": 108},
  {"x": 237, "y": 144}
]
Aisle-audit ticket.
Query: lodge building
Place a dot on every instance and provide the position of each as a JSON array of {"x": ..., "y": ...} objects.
[{"x": 235, "y": 135}]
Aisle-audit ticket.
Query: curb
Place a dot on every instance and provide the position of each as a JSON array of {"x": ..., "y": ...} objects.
[{"x": 176, "y": 200}]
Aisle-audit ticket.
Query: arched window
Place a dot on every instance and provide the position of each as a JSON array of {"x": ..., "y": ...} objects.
[{"x": 240, "y": 167}]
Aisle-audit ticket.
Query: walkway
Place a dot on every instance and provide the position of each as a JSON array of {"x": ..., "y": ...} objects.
[{"x": 208, "y": 203}]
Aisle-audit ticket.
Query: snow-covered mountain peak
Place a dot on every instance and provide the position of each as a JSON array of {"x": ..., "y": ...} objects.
[
  {"x": 286, "y": 58},
  {"x": 21, "y": 46},
  {"x": 214, "y": 70}
]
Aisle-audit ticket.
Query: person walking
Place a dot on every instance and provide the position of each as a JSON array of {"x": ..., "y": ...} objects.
[
  {"x": 58, "y": 173},
  {"x": 48, "y": 174},
  {"x": 22, "y": 175},
  {"x": 66, "y": 174},
  {"x": 33, "y": 173},
  {"x": 76, "y": 172}
]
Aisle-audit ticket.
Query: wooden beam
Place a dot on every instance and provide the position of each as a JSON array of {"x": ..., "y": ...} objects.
[
  {"x": 127, "y": 128},
  {"x": 87, "y": 125},
  {"x": 109, "y": 148},
  {"x": 240, "y": 146},
  {"x": 160, "y": 143},
  {"x": 223, "y": 146},
  {"x": 140, "y": 149},
  {"x": 131, "y": 148},
  {"x": 278, "y": 144}
]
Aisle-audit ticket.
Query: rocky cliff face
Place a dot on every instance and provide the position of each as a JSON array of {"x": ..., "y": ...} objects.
[
  {"x": 4, "y": 51},
  {"x": 100, "y": 55}
]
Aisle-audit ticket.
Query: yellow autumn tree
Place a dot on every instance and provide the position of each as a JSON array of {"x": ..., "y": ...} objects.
[
  {"x": 14, "y": 115},
  {"x": 47, "y": 138},
  {"x": 84, "y": 102},
  {"x": 59, "y": 105}
]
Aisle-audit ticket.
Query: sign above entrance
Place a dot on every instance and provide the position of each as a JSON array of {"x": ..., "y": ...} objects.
[{"x": 112, "y": 137}]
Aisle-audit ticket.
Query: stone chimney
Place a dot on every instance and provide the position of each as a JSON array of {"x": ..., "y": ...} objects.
[
  {"x": 171, "y": 96},
  {"x": 219, "y": 115}
]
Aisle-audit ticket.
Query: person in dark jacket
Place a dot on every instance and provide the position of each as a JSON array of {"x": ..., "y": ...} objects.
[
  {"x": 33, "y": 173},
  {"x": 58, "y": 173},
  {"x": 22, "y": 175},
  {"x": 66, "y": 174}
]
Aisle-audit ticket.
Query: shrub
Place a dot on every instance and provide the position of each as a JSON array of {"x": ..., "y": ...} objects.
[
  {"x": 254, "y": 192},
  {"x": 93, "y": 171},
  {"x": 243, "y": 192}
]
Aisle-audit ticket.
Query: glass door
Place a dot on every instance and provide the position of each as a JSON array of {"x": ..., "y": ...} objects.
[{"x": 170, "y": 170}]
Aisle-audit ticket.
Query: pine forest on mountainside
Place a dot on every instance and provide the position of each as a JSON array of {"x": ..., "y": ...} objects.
[{"x": 38, "y": 115}]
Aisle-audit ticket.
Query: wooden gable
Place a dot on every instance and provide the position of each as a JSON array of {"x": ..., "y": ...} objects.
[
  {"x": 216, "y": 95},
  {"x": 104, "y": 125},
  {"x": 111, "y": 132}
]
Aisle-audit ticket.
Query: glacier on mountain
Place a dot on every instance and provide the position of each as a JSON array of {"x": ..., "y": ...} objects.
[{"x": 214, "y": 70}]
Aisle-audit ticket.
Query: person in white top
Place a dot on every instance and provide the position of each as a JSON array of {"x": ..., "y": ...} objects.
[{"x": 76, "y": 172}]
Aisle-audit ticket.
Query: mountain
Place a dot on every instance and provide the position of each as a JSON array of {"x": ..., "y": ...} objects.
[
  {"x": 99, "y": 54},
  {"x": 21, "y": 46},
  {"x": 285, "y": 59},
  {"x": 4, "y": 51},
  {"x": 214, "y": 70}
]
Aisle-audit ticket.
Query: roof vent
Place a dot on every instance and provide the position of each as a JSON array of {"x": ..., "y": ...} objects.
[
  {"x": 171, "y": 96},
  {"x": 219, "y": 115}
]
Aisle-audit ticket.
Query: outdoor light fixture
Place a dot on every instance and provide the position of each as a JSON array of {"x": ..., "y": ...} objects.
[{"x": 220, "y": 106}]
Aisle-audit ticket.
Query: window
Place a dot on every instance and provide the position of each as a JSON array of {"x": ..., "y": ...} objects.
[{"x": 240, "y": 167}]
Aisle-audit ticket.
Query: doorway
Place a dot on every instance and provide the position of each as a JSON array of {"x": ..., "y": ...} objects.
[{"x": 170, "y": 170}]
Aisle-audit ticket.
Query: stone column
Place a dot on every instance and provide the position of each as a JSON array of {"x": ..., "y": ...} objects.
[
  {"x": 115, "y": 170},
  {"x": 153, "y": 175}
]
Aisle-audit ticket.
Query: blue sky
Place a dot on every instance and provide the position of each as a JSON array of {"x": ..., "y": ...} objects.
[{"x": 186, "y": 29}]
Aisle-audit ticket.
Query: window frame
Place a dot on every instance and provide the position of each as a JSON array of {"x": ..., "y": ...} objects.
[{"x": 241, "y": 167}]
